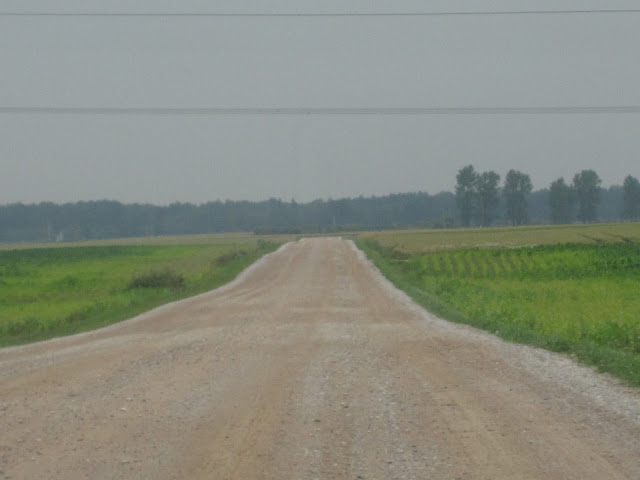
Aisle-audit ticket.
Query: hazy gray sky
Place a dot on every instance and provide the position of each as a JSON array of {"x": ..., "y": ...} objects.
[{"x": 474, "y": 61}]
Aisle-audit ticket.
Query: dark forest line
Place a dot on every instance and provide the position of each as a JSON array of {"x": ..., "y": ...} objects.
[{"x": 49, "y": 222}]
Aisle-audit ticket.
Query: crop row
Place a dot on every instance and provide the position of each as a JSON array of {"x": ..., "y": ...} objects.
[{"x": 544, "y": 262}]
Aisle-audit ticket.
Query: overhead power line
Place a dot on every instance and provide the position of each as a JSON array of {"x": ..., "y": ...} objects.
[
  {"x": 325, "y": 111},
  {"x": 319, "y": 14}
]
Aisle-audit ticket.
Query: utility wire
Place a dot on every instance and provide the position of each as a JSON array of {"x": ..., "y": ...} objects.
[
  {"x": 322, "y": 111},
  {"x": 317, "y": 14}
]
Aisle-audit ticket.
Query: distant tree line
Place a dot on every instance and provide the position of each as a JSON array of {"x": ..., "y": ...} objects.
[
  {"x": 478, "y": 196},
  {"x": 479, "y": 200},
  {"x": 110, "y": 219}
]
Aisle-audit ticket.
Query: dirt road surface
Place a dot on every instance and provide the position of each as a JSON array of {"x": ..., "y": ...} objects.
[{"x": 308, "y": 366}]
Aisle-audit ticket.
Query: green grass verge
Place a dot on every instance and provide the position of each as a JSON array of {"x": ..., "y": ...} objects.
[
  {"x": 51, "y": 292},
  {"x": 578, "y": 299}
]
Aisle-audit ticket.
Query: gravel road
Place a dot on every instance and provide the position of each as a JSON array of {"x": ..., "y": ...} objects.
[{"x": 309, "y": 366}]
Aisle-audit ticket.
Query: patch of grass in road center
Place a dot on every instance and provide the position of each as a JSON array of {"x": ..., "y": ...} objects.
[
  {"x": 580, "y": 299},
  {"x": 49, "y": 292}
]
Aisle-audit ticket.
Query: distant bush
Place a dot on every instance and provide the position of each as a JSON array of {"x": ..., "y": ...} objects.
[
  {"x": 157, "y": 279},
  {"x": 264, "y": 245},
  {"x": 227, "y": 258}
]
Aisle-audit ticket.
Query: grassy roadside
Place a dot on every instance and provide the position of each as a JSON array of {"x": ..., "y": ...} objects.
[
  {"x": 578, "y": 299},
  {"x": 51, "y": 292}
]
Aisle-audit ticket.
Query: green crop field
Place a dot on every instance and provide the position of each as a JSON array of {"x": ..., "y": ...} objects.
[
  {"x": 576, "y": 292},
  {"x": 53, "y": 291}
]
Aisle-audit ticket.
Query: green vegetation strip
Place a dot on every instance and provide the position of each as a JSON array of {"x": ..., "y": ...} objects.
[
  {"x": 50, "y": 292},
  {"x": 580, "y": 299}
]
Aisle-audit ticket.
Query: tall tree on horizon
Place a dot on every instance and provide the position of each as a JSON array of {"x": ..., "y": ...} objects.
[
  {"x": 517, "y": 186},
  {"x": 587, "y": 187},
  {"x": 488, "y": 197},
  {"x": 466, "y": 193},
  {"x": 561, "y": 202},
  {"x": 631, "y": 196}
]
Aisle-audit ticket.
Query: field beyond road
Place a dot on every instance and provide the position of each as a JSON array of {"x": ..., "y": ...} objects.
[
  {"x": 415, "y": 242},
  {"x": 309, "y": 365}
]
